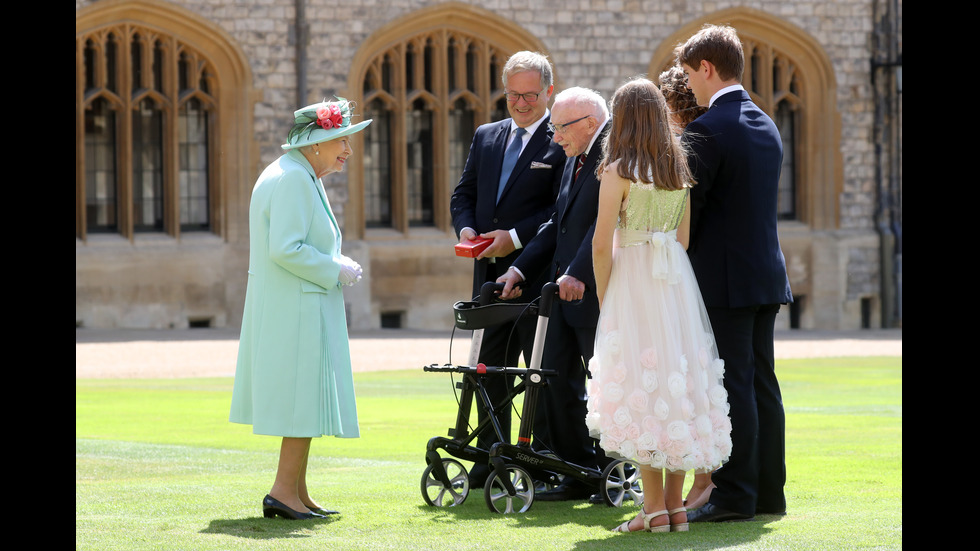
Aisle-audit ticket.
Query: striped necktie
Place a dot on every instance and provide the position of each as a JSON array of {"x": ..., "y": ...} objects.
[{"x": 578, "y": 166}]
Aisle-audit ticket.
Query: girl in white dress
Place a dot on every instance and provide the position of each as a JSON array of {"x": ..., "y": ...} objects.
[{"x": 656, "y": 395}]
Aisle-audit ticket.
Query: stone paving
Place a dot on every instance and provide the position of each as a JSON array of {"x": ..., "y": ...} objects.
[{"x": 134, "y": 353}]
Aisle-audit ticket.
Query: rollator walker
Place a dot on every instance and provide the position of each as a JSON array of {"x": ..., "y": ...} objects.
[{"x": 516, "y": 469}]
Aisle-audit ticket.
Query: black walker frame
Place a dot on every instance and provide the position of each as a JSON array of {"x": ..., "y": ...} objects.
[{"x": 516, "y": 469}]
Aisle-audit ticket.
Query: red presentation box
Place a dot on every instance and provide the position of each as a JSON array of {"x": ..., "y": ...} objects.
[{"x": 470, "y": 249}]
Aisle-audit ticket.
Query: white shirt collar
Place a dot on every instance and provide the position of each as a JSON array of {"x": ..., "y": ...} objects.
[
  {"x": 724, "y": 91},
  {"x": 595, "y": 137}
]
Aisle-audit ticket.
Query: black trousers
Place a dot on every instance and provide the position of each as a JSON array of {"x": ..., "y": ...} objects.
[{"x": 753, "y": 479}]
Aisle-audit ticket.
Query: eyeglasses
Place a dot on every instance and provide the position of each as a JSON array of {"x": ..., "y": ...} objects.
[
  {"x": 529, "y": 97},
  {"x": 558, "y": 128}
]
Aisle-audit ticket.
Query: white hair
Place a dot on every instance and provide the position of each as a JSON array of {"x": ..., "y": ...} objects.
[{"x": 577, "y": 95}]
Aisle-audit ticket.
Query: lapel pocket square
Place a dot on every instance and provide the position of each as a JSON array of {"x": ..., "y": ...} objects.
[{"x": 535, "y": 164}]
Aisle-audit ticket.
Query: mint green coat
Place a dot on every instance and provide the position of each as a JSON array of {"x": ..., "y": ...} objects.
[{"x": 293, "y": 376}]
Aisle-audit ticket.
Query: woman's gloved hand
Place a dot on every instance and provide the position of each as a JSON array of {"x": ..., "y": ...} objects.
[{"x": 350, "y": 271}]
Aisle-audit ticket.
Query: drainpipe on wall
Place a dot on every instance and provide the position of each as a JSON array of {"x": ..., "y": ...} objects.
[
  {"x": 302, "y": 39},
  {"x": 896, "y": 184},
  {"x": 886, "y": 83}
]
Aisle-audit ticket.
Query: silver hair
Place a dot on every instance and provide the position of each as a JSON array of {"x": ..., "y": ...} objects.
[{"x": 529, "y": 61}]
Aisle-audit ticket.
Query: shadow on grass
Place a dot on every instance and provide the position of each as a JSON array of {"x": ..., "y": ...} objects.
[
  {"x": 700, "y": 536},
  {"x": 266, "y": 528},
  {"x": 554, "y": 515}
]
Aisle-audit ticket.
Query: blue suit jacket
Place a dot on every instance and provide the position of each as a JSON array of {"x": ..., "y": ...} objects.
[
  {"x": 528, "y": 199},
  {"x": 735, "y": 157},
  {"x": 563, "y": 244}
]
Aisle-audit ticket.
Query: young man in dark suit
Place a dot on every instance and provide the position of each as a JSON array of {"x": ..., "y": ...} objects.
[
  {"x": 507, "y": 190},
  {"x": 735, "y": 156},
  {"x": 562, "y": 249}
]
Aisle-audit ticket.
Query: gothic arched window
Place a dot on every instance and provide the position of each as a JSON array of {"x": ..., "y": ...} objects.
[
  {"x": 427, "y": 93},
  {"x": 792, "y": 80},
  {"x": 148, "y": 110}
]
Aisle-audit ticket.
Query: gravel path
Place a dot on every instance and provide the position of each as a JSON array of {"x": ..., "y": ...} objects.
[{"x": 138, "y": 353}]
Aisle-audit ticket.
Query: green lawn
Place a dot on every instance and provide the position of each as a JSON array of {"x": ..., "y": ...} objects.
[{"x": 158, "y": 466}]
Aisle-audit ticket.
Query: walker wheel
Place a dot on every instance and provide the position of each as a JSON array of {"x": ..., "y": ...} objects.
[
  {"x": 621, "y": 479},
  {"x": 500, "y": 501},
  {"x": 436, "y": 494}
]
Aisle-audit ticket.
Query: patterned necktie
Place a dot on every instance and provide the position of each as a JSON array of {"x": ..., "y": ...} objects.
[
  {"x": 578, "y": 166},
  {"x": 510, "y": 159}
]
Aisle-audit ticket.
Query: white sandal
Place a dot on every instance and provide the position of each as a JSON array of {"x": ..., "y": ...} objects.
[
  {"x": 679, "y": 527},
  {"x": 647, "y": 517}
]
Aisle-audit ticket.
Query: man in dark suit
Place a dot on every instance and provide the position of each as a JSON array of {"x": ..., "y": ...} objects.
[
  {"x": 735, "y": 158},
  {"x": 563, "y": 250},
  {"x": 507, "y": 190}
]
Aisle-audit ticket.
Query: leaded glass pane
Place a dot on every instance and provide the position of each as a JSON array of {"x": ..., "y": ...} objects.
[
  {"x": 786, "y": 195},
  {"x": 148, "y": 168},
  {"x": 110, "y": 63},
  {"x": 90, "y": 59},
  {"x": 158, "y": 56},
  {"x": 136, "y": 62},
  {"x": 427, "y": 69},
  {"x": 462, "y": 125},
  {"x": 471, "y": 66},
  {"x": 377, "y": 167},
  {"x": 452, "y": 75},
  {"x": 419, "y": 156},
  {"x": 192, "y": 146},
  {"x": 100, "y": 168}
]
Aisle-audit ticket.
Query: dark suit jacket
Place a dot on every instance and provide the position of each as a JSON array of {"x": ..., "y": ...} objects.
[
  {"x": 735, "y": 157},
  {"x": 528, "y": 199},
  {"x": 563, "y": 244}
]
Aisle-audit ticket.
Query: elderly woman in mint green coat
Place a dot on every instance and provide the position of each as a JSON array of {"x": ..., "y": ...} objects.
[{"x": 293, "y": 377}]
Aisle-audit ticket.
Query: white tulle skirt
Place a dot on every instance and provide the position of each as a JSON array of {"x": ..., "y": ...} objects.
[{"x": 656, "y": 393}]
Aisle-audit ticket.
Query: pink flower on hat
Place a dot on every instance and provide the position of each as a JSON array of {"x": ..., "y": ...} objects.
[{"x": 329, "y": 116}]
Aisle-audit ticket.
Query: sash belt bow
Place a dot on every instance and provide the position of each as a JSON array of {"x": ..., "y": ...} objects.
[{"x": 665, "y": 250}]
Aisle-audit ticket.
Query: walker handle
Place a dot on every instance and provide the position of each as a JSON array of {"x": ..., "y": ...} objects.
[
  {"x": 491, "y": 289},
  {"x": 548, "y": 294}
]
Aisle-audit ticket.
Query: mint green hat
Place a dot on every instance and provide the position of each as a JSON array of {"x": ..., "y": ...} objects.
[{"x": 322, "y": 122}]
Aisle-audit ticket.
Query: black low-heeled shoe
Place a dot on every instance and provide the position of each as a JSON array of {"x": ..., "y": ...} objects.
[
  {"x": 322, "y": 511},
  {"x": 272, "y": 507}
]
